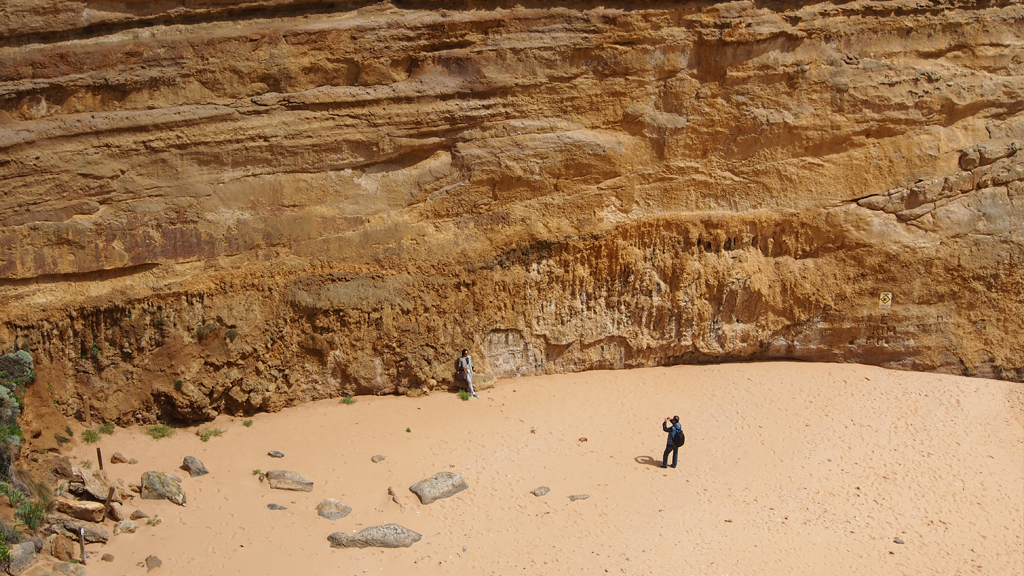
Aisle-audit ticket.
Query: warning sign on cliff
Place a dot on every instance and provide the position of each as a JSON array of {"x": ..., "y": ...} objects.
[{"x": 885, "y": 300}]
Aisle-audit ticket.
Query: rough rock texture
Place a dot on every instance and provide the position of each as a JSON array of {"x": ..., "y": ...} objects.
[
  {"x": 214, "y": 206},
  {"x": 194, "y": 466},
  {"x": 288, "y": 480},
  {"x": 161, "y": 486},
  {"x": 438, "y": 486},
  {"x": 81, "y": 509},
  {"x": 125, "y": 527},
  {"x": 67, "y": 526},
  {"x": 333, "y": 509},
  {"x": 386, "y": 536},
  {"x": 23, "y": 556}
]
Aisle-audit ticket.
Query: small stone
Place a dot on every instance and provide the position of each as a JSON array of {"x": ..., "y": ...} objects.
[
  {"x": 288, "y": 480},
  {"x": 36, "y": 541},
  {"x": 116, "y": 511},
  {"x": 138, "y": 515},
  {"x": 438, "y": 486},
  {"x": 125, "y": 527},
  {"x": 155, "y": 521},
  {"x": 276, "y": 507},
  {"x": 377, "y": 459},
  {"x": 152, "y": 562},
  {"x": 275, "y": 454},
  {"x": 387, "y": 536},
  {"x": 69, "y": 569},
  {"x": 333, "y": 509},
  {"x": 118, "y": 458},
  {"x": 194, "y": 466},
  {"x": 576, "y": 497},
  {"x": 23, "y": 556},
  {"x": 107, "y": 557},
  {"x": 133, "y": 461},
  {"x": 899, "y": 541},
  {"x": 540, "y": 491}
]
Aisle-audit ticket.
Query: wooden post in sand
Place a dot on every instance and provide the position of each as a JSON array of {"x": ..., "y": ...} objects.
[
  {"x": 81, "y": 543},
  {"x": 99, "y": 457},
  {"x": 110, "y": 497}
]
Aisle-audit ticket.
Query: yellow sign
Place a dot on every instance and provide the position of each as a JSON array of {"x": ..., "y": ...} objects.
[{"x": 885, "y": 300}]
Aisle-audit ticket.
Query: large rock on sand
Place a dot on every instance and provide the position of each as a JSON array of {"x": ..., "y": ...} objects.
[
  {"x": 68, "y": 526},
  {"x": 387, "y": 536},
  {"x": 438, "y": 486},
  {"x": 161, "y": 486},
  {"x": 288, "y": 480}
]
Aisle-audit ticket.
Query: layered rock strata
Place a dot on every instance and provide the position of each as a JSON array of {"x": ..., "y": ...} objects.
[{"x": 235, "y": 208}]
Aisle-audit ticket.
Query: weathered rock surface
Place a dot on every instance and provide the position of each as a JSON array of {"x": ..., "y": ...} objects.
[
  {"x": 275, "y": 454},
  {"x": 118, "y": 458},
  {"x": 558, "y": 188},
  {"x": 377, "y": 459},
  {"x": 194, "y": 467},
  {"x": 62, "y": 547},
  {"x": 68, "y": 526},
  {"x": 288, "y": 480},
  {"x": 541, "y": 491},
  {"x": 125, "y": 526},
  {"x": 153, "y": 562},
  {"x": 23, "y": 556},
  {"x": 333, "y": 509},
  {"x": 386, "y": 536},
  {"x": 81, "y": 509},
  {"x": 68, "y": 569},
  {"x": 273, "y": 506},
  {"x": 138, "y": 515},
  {"x": 438, "y": 486},
  {"x": 576, "y": 497},
  {"x": 162, "y": 486},
  {"x": 116, "y": 511}
]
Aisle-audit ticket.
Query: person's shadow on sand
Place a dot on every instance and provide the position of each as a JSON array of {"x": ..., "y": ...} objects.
[{"x": 648, "y": 460}]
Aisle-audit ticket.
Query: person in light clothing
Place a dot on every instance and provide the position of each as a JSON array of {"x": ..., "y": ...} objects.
[{"x": 464, "y": 369}]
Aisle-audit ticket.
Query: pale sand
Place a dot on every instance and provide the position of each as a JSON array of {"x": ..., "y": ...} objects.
[{"x": 788, "y": 469}]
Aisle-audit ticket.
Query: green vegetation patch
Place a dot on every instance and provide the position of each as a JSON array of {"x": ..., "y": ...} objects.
[{"x": 159, "y": 431}]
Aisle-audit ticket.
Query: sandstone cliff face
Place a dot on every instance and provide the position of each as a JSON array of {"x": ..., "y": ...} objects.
[{"x": 216, "y": 206}]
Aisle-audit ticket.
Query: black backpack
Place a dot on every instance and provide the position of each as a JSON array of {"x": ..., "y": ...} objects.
[{"x": 679, "y": 439}]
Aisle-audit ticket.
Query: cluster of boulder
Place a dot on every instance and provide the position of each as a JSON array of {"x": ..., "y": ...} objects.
[
  {"x": 438, "y": 486},
  {"x": 88, "y": 506}
]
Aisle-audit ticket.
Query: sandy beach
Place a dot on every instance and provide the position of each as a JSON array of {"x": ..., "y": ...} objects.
[{"x": 788, "y": 468}]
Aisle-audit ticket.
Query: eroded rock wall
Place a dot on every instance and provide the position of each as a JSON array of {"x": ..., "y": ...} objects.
[{"x": 241, "y": 206}]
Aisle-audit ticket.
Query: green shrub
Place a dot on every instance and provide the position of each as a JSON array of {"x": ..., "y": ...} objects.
[
  {"x": 408, "y": 429},
  {"x": 257, "y": 472},
  {"x": 5, "y": 553},
  {"x": 232, "y": 334},
  {"x": 204, "y": 332},
  {"x": 348, "y": 400},
  {"x": 90, "y": 436},
  {"x": 14, "y": 496},
  {"x": 95, "y": 350},
  {"x": 464, "y": 395},
  {"x": 210, "y": 433},
  {"x": 106, "y": 428},
  {"x": 178, "y": 384},
  {"x": 159, "y": 431},
  {"x": 247, "y": 423},
  {"x": 31, "y": 514},
  {"x": 71, "y": 433}
]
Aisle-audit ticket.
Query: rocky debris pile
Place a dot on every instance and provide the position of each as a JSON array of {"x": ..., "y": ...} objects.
[
  {"x": 288, "y": 480},
  {"x": 438, "y": 486},
  {"x": 386, "y": 536}
]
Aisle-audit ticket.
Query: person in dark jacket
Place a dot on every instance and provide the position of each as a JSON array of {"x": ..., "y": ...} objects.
[{"x": 672, "y": 430}]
